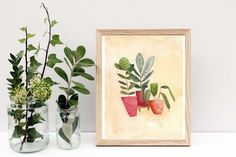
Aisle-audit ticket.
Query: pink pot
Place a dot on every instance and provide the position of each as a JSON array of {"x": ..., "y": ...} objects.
[
  {"x": 140, "y": 100},
  {"x": 131, "y": 105},
  {"x": 156, "y": 106}
]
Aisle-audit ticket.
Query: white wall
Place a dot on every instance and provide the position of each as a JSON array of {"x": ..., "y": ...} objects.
[{"x": 213, "y": 55}]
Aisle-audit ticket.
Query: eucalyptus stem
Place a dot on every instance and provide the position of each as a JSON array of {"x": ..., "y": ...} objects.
[{"x": 49, "y": 40}]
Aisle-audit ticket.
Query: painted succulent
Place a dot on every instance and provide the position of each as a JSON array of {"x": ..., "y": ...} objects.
[{"x": 126, "y": 83}]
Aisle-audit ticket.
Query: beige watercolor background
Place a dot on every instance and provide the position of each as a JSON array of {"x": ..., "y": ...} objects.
[{"x": 168, "y": 52}]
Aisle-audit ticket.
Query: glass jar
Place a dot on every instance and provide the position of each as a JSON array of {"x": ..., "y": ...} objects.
[
  {"x": 68, "y": 128},
  {"x": 28, "y": 126}
]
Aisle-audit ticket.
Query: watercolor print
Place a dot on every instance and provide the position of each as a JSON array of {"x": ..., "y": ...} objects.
[
  {"x": 135, "y": 79},
  {"x": 144, "y": 91}
]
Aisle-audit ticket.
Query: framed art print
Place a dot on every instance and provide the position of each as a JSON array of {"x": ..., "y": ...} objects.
[{"x": 143, "y": 87}]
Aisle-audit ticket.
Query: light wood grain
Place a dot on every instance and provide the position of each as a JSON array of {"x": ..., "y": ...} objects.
[{"x": 143, "y": 142}]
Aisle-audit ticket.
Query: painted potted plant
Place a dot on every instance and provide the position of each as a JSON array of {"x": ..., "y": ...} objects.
[
  {"x": 28, "y": 111},
  {"x": 157, "y": 104},
  {"x": 141, "y": 77},
  {"x": 68, "y": 121},
  {"x": 127, "y": 86}
]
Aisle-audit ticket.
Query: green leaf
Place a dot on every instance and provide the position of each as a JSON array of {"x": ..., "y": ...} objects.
[
  {"x": 30, "y": 35},
  {"x": 85, "y": 75},
  {"x": 22, "y": 40},
  {"x": 137, "y": 86},
  {"x": 72, "y": 103},
  {"x": 75, "y": 124},
  {"x": 131, "y": 85},
  {"x": 124, "y": 63},
  {"x": 80, "y": 85},
  {"x": 63, "y": 136},
  {"x": 34, "y": 62},
  {"x": 33, "y": 134},
  {"x": 86, "y": 62},
  {"x": 53, "y": 23},
  {"x": 53, "y": 60},
  {"x": 20, "y": 54},
  {"x": 139, "y": 62},
  {"x": 165, "y": 100},
  {"x": 154, "y": 88},
  {"x": 31, "y": 47},
  {"x": 74, "y": 97},
  {"x": 81, "y": 90},
  {"x": 79, "y": 53},
  {"x": 65, "y": 89},
  {"x": 50, "y": 81},
  {"x": 35, "y": 119},
  {"x": 69, "y": 55},
  {"x": 171, "y": 94},
  {"x": 38, "y": 49},
  {"x": 61, "y": 73},
  {"x": 67, "y": 62},
  {"x": 148, "y": 66},
  {"x": 61, "y": 102},
  {"x": 147, "y": 76},
  {"x": 23, "y": 29},
  {"x": 18, "y": 132},
  {"x": 134, "y": 70},
  {"x": 118, "y": 66},
  {"x": 56, "y": 40},
  {"x": 123, "y": 83}
]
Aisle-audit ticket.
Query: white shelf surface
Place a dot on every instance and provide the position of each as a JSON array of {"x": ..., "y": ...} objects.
[{"x": 202, "y": 144}]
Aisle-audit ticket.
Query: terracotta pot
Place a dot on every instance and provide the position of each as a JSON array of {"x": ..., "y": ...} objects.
[
  {"x": 156, "y": 106},
  {"x": 140, "y": 100},
  {"x": 131, "y": 105}
]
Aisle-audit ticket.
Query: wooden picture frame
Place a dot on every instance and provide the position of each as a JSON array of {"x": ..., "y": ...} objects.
[{"x": 108, "y": 131}]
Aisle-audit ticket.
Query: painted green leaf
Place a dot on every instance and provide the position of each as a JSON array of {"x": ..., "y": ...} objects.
[
  {"x": 56, "y": 40},
  {"x": 139, "y": 62},
  {"x": 137, "y": 86},
  {"x": 146, "y": 95},
  {"x": 134, "y": 78},
  {"x": 134, "y": 70},
  {"x": 121, "y": 76},
  {"x": 123, "y": 87},
  {"x": 123, "y": 83},
  {"x": 118, "y": 66},
  {"x": 154, "y": 88},
  {"x": 124, "y": 93},
  {"x": 171, "y": 94},
  {"x": 86, "y": 62},
  {"x": 69, "y": 55},
  {"x": 53, "y": 60},
  {"x": 85, "y": 75},
  {"x": 165, "y": 100},
  {"x": 79, "y": 53},
  {"x": 53, "y": 23},
  {"x": 148, "y": 66},
  {"x": 147, "y": 76},
  {"x": 131, "y": 85},
  {"x": 124, "y": 63},
  {"x": 61, "y": 73},
  {"x": 131, "y": 93}
]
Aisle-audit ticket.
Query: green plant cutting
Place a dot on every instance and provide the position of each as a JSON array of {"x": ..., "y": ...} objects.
[
  {"x": 34, "y": 86},
  {"x": 76, "y": 65}
]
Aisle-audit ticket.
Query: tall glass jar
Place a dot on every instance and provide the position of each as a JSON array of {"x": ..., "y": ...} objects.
[
  {"x": 28, "y": 126},
  {"x": 68, "y": 128}
]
